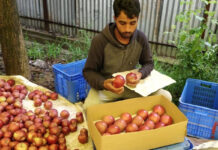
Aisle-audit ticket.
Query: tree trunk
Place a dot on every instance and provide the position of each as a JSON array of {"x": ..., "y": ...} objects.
[{"x": 11, "y": 37}]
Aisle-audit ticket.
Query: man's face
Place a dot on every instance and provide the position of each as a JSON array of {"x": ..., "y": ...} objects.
[{"x": 125, "y": 25}]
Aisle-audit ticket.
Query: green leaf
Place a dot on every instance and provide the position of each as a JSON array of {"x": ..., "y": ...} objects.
[{"x": 199, "y": 18}]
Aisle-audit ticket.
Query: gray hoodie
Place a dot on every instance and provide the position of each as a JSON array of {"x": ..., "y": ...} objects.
[{"x": 107, "y": 56}]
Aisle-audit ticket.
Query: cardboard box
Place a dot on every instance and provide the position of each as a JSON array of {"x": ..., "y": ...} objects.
[{"x": 140, "y": 140}]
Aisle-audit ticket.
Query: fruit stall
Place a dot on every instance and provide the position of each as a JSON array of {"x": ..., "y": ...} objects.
[{"x": 35, "y": 118}]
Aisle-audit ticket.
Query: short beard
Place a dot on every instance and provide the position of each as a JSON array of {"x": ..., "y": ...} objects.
[{"x": 123, "y": 34}]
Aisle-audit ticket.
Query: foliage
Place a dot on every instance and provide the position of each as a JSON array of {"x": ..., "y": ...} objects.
[{"x": 197, "y": 57}]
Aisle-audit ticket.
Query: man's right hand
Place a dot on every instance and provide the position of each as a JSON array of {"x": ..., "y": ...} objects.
[{"x": 108, "y": 85}]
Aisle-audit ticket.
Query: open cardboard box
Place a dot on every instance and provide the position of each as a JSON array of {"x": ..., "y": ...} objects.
[{"x": 141, "y": 140}]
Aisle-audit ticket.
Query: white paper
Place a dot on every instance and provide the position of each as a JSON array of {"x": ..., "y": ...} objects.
[{"x": 151, "y": 83}]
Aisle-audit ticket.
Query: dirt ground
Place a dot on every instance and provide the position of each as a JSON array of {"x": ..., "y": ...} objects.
[{"x": 42, "y": 77}]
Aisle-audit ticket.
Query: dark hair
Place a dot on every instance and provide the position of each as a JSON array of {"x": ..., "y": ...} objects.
[{"x": 130, "y": 7}]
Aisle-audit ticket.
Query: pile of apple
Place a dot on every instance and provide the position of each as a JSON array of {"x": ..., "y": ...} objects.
[
  {"x": 119, "y": 80},
  {"x": 143, "y": 120},
  {"x": 43, "y": 129}
]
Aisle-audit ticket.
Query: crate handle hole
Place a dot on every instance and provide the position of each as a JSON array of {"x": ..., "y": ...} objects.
[{"x": 205, "y": 85}]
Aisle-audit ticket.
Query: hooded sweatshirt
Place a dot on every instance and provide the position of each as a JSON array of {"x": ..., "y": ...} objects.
[{"x": 107, "y": 56}]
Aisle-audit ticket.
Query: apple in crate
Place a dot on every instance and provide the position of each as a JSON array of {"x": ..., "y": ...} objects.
[
  {"x": 166, "y": 119},
  {"x": 159, "y": 109},
  {"x": 154, "y": 117},
  {"x": 118, "y": 81},
  {"x": 121, "y": 124},
  {"x": 108, "y": 119},
  {"x": 101, "y": 126},
  {"x": 143, "y": 113},
  {"x": 126, "y": 117},
  {"x": 132, "y": 127},
  {"x": 113, "y": 129}
]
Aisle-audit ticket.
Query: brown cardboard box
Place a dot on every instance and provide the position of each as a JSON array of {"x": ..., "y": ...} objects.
[{"x": 141, "y": 140}]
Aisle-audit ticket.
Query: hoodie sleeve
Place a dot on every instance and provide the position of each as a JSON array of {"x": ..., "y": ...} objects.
[
  {"x": 94, "y": 63},
  {"x": 146, "y": 56}
]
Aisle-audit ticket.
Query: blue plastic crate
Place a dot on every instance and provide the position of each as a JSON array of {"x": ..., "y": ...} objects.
[
  {"x": 199, "y": 102},
  {"x": 69, "y": 81}
]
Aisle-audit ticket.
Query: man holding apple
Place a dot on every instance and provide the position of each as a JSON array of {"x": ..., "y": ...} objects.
[{"x": 119, "y": 47}]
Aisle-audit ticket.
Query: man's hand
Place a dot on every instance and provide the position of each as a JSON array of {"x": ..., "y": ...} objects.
[
  {"x": 108, "y": 85},
  {"x": 134, "y": 82}
]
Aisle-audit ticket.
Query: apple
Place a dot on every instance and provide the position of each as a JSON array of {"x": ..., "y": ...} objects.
[
  {"x": 65, "y": 123},
  {"x": 154, "y": 117},
  {"x": 31, "y": 135},
  {"x": 138, "y": 120},
  {"x": 19, "y": 135},
  {"x": 61, "y": 140},
  {"x": 1, "y": 134},
  {"x": 131, "y": 77},
  {"x": 62, "y": 147},
  {"x": 64, "y": 114},
  {"x": 10, "y": 99},
  {"x": 166, "y": 119},
  {"x": 44, "y": 98},
  {"x": 113, "y": 129},
  {"x": 37, "y": 102},
  {"x": 8, "y": 134},
  {"x": 52, "y": 139},
  {"x": 13, "y": 127},
  {"x": 159, "y": 125},
  {"x": 143, "y": 127},
  {"x": 46, "y": 123},
  {"x": 18, "y": 104},
  {"x": 126, "y": 117},
  {"x": 53, "y": 124},
  {"x": 12, "y": 144},
  {"x": 143, "y": 113},
  {"x": 118, "y": 81},
  {"x": 28, "y": 123},
  {"x": 32, "y": 148},
  {"x": 48, "y": 94},
  {"x": 159, "y": 109},
  {"x": 53, "y": 113},
  {"x": 132, "y": 127},
  {"x": 101, "y": 126},
  {"x": 149, "y": 123},
  {"x": 79, "y": 117},
  {"x": 11, "y": 82},
  {"x": 58, "y": 120},
  {"x": 55, "y": 131},
  {"x": 83, "y": 138},
  {"x": 2, "y": 98},
  {"x": 24, "y": 91},
  {"x": 54, "y": 96},
  {"x": 21, "y": 146},
  {"x": 7, "y": 86},
  {"x": 5, "y": 141},
  {"x": 37, "y": 141},
  {"x": 36, "y": 96},
  {"x": 108, "y": 119},
  {"x": 84, "y": 131},
  {"x": 43, "y": 147},
  {"x": 73, "y": 127},
  {"x": 38, "y": 111},
  {"x": 121, "y": 124},
  {"x": 48, "y": 105},
  {"x": 53, "y": 147},
  {"x": 31, "y": 95},
  {"x": 65, "y": 130}
]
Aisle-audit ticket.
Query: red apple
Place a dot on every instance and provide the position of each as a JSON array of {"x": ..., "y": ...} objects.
[
  {"x": 12, "y": 144},
  {"x": 61, "y": 140},
  {"x": 44, "y": 98},
  {"x": 54, "y": 96},
  {"x": 2, "y": 98},
  {"x": 159, "y": 125},
  {"x": 55, "y": 131},
  {"x": 53, "y": 147},
  {"x": 149, "y": 123},
  {"x": 143, "y": 127},
  {"x": 64, "y": 114},
  {"x": 131, "y": 77},
  {"x": 37, "y": 102},
  {"x": 166, "y": 119},
  {"x": 132, "y": 127},
  {"x": 5, "y": 141},
  {"x": 48, "y": 105},
  {"x": 58, "y": 120},
  {"x": 101, "y": 126},
  {"x": 52, "y": 139},
  {"x": 126, "y": 117},
  {"x": 31, "y": 135},
  {"x": 53, "y": 113},
  {"x": 113, "y": 129},
  {"x": 13, "y": 127},
  {"x": 79, "y": 117},
  {"x": 73, "y": 127},
  {"x": 138, "y": 120},
  {"x": 82, "y": 138},
  {"x": 84, "y": 131},
  {"x": 154, "y": 117},
  {"x": 32, "y": 148},
  {"x": 159, "y": 109},
  {"x": 37, "y": 141},
  {"x": 65, "y": 130},
  {"x": 31, "y": 95},
  {"x": 65, "y": 123},
  {"x": 118, "y": 81},
  {"x": 10, "y": 99},
  {"x": 121, "y": 124},
  {"x": 19, "y": 135},
  {"x": 143, "y": 113},
  {"x": 108, "y": 119},
  {"x": 48, "y": 94},
  {"x": 11, "y": 82},
  {"x": 21, "y": 146}
]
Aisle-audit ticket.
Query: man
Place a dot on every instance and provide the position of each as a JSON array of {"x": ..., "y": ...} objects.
[{"x": 119, "y": 47}]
